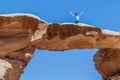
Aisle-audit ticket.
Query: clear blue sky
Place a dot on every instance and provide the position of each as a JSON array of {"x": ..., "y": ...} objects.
[{"x": 72, "y": 64}]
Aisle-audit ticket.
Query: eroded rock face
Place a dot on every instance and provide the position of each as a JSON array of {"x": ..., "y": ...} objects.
[
  {"x": 18, "y": 60},
  {"x": 13, "y": 70},
  {"x": 75, "y": 36},
  {"x": 16, "y": 33},
  {"x": 107, "y": 62},
  {"x": 115, "y": 77},
  {"x": 20, "y": 35},
  {"x": 67, "y": 30}
]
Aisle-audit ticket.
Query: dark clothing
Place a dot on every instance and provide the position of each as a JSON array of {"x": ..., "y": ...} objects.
[{"x": 77, "y": 21}]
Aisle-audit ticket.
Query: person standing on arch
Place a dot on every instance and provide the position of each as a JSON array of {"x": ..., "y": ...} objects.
[{"x": 77, "y": 16}]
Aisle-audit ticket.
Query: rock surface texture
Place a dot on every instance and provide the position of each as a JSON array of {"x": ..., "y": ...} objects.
[{"x": 21, "y": 34}]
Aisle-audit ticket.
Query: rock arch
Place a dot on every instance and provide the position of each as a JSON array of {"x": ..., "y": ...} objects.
[{"x": 20, "y": 34}]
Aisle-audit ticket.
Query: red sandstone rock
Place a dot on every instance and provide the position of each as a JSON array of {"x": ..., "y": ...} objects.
[{"x": 21, "y": 34}]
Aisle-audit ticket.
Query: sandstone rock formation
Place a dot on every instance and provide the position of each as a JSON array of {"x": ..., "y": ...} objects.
[{"x": 21, "y": 34}]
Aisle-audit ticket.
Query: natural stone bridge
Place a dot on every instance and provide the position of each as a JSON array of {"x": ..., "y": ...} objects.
[{"x": 21, "y": 34}]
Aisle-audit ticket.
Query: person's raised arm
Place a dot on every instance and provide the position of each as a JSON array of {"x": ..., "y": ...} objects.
[
  {"x": 81, "y": 13},
  {"x": 72, "y": 13}
]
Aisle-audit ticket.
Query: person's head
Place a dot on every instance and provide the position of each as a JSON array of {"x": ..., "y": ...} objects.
[{"x": 76, "y": 14}]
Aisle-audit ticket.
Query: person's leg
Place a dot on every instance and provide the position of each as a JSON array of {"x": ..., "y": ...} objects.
[{"x": 76, "y": 21}]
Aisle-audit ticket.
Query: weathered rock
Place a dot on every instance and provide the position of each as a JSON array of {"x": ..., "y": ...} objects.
[
  {"x": 75, "y": 36},
  {"x": 11, "y": 69},
  {"x": 18, "y": 60},
  {"x": 115, "y": 77},
  {"x": 21, "y": 34},
  {"x": 107, "y": 62},
  {"x": 16, "y": 34}
]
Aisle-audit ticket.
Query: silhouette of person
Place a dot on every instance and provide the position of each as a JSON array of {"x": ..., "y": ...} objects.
[{"x": 77, "y": 16}]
